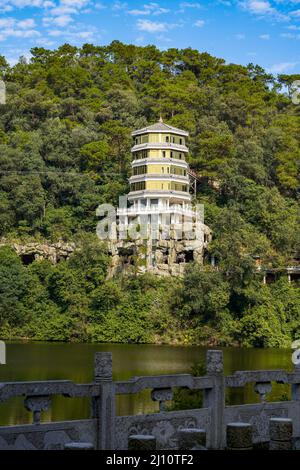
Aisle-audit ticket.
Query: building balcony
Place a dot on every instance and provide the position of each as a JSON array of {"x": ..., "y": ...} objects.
[
  {"x": 161, "y": 146},
  {"x": 174, "y": 209},
  {"x": 158, "y": 193},
  {"x": 159, "y": 161},
  {"x": 159, "y": 176}
]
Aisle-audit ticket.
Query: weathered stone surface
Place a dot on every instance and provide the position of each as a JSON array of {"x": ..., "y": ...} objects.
[
  {"x": 49, "y": 436},
  {"x": 280, "y": 445},
  {"x": 191, "y": 438},
  {"x": 261, "y": 445},
  {"x": 263, "y": 388},
  {"x": 103, "y": 366},
  {"x": 161, "y": 395},
  {"x": 239, "y": 436},
  {"x": 78, "y": 446},
  {"x": 53, "y": 252},
  {"x": 141, "y": 442},
  {"x": 281, "y": 429},
  {"x": 164, "y": 257},
  {"x": 37, "y": 404},
  {"x": 214, "y": 362}
]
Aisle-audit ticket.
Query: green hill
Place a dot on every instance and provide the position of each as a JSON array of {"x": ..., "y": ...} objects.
[{"x": 65, "y": 148}]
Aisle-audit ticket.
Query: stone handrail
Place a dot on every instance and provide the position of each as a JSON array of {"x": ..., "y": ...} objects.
[
  {"x": 106, "y": 430},
  {"x": 241, "y": 378},
  {"x": 137, "y": 384},
  {"x": 45, "y": 388}
]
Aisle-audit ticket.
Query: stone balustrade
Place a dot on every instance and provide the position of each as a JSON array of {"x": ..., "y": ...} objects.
[{"x": 212, "y": 425}]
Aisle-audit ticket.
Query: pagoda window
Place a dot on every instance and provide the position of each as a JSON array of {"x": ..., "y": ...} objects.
[
  {"x": 154, "y": 202},
  {"x": 140, "y": 170},
  {"x": 167, "y": 138},
  {"x": 138, "y": 186}
]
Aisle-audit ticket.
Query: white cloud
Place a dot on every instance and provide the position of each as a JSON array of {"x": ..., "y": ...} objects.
[
  {"x": 26, "y": 3},
  {"x": 295, "y": 13},
  {"x": 119, "y": 6},
  {"x": 59, "y": 21},
  {"x": 72, "y": 36},
  {"x": 62, "y": 20},
  {"x": 189, "y": 5},
  {"x": 45, "y": 42},
  {"x": 240, "y": 37},
  {"x": 265, "y": 37},
  {"x": 5, "y": 8},
  {"x": 9, "y": 24},
  {"x": 150, "y": 9},
  {"x": 24, "y": 24},
  {"x": 55, "y": 32},
  {"x": 288, "y": 36},
  {"x": 139, "y": 12},
  {"x": 294, "y": 27},
  {"x": 263, "y": 8},
  {"x": 6, "y": 22},
  {"x": 151, "y": 26},
  {"x": 18, "y": 33},
  {"x": 29, "y": 33},
  {"x": 199, "y": 23},
  {"x": 84, "y": 34},
  {"x": 155, "y": 9},
  {"x": 63, "y": 10},
  {"x": 259, "y": 7},
  {"x": 75, "y": 3},
  {"x": 282, "y": 67},
  {"x": 99, "y": 6}
]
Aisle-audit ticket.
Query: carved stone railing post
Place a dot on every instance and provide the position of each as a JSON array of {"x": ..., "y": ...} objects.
[
  {"x": 162, "y": 395},
  {"x": 191, "y": 439},
  {"x": 262, "y": 389},
  {"x": 215, "y": 397},
  {"x": 104, "y": 404},
  {"x": 37, "y": 404},
  {"x": 239, "y": 436},
  {"x": 141, "y": 442},
  {"x": 281, "y": 434},
  {"x": 296, "y": 386}
]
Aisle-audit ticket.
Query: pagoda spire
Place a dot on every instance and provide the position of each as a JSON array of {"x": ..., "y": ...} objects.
[{"x": 160, "y": 118}]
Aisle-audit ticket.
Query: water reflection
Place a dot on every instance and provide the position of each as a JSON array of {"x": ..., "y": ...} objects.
[{"x": 42, "y": 361}]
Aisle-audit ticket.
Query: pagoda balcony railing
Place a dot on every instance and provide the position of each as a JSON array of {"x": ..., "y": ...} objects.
[
  {"x": 159, "y": 176},
  {"x": 160, "y": 145},
  {"x": 156, "y": 210},
  {"x": 164, "y": 160}
]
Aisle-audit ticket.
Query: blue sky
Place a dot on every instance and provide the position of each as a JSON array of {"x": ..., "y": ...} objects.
[{"x": 266, "y": 32}]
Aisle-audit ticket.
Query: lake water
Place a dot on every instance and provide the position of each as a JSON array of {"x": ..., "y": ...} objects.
[{"x": 42, "y": 361}]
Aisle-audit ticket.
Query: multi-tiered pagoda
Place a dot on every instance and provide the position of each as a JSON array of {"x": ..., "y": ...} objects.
[{"x": 159, "y": 202}]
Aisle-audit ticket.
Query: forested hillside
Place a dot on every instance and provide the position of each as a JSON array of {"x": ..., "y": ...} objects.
[{"x": 65, "y": 148}]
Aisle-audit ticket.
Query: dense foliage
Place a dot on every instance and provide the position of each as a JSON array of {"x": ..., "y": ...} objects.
[{"x": 65, "y": 148}]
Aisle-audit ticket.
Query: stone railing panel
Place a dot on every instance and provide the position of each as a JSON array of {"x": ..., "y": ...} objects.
[{"x": 163, "y": 426}]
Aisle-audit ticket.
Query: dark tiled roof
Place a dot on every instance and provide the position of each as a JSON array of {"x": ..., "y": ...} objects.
[{"x": 160, "y": 126}]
